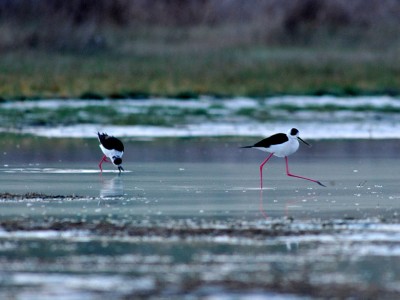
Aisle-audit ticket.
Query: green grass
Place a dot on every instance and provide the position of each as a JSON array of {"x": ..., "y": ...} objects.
[{"x": 185, "y": 72}]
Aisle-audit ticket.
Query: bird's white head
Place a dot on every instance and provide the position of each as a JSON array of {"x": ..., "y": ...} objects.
[{"x": 294, "y": 133}]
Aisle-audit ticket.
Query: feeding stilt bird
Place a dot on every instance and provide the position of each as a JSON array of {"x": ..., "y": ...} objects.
[
  {"x": 112, "y": 148},
  {"x": 281, "y": 145}
]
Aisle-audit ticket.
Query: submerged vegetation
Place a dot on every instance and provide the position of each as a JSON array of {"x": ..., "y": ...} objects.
[{"x": 134, "y": 48}]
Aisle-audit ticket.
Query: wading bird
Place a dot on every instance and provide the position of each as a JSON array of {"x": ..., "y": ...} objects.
[
  {"x": 112, "y": 148},
  {"x": 281, "y": 145}
]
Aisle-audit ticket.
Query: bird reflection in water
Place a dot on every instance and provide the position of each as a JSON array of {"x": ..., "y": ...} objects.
[{"x": 112, "y": 187}]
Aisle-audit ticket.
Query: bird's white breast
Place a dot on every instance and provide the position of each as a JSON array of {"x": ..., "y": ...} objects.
[
  {"x": 282, "y": 150},
  {"x": 111, "y": 153}
]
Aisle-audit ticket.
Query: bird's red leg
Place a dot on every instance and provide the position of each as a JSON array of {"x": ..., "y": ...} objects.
[
  {"x": 261, "y": 168},
  {"x": 103, "y": 159},
  {"x": 297, "y": 176}
]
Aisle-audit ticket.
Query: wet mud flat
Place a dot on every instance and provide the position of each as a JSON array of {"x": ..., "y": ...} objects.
[{"x": 201, "y": 257}]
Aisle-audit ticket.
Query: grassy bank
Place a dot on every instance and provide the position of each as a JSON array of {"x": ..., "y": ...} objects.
[
  {"x": 248, "y": 71},
  {"x": 184, "y": 48}
]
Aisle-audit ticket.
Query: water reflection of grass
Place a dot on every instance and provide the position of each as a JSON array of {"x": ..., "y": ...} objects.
[
  {"x": 63, "y": 115},
  {"x": 260, "y": 114},
  {"x": 173, "y": 113}
]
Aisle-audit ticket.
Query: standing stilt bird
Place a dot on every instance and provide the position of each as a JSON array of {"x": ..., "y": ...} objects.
[
  {"x": 281, "y": 145},
  {"x": 112, "y": 148}
]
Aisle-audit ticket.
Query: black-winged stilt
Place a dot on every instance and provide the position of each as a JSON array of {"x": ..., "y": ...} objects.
[
  {"x": 112, "y": 148},
  {"x": 281, "y": 145}
]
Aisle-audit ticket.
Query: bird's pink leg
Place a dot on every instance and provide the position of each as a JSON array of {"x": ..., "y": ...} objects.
[
  {"x": 261, "y": 168},
  {"x": 297, "y": 176},
  {"x": 103, "y": 159}
]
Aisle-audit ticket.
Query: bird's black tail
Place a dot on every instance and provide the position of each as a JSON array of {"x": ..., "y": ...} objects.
[
  {"x": 102, "y": 136},
  {"x": 247, "y": 147}
]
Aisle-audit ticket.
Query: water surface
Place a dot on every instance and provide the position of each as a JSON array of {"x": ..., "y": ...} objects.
[{"x": 187, "y": 219}]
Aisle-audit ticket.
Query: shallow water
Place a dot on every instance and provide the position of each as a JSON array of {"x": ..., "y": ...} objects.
[
  {"x": 321, "y": 117},
  {"x": 187, "y": 219}
]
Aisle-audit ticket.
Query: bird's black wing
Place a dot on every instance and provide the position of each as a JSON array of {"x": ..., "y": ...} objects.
[
  {"x": 275, "y": 139},
  {"x": 110, "y": 142}
]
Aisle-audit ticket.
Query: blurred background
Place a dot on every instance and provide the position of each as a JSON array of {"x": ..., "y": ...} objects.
[
  {"x": 90, "y": 25},
  {"x": 129, "y": 48},
  {"x": 185, "y": 84}
]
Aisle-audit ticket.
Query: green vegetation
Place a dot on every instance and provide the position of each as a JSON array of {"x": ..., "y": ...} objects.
[{"x": 218, "y": 72}]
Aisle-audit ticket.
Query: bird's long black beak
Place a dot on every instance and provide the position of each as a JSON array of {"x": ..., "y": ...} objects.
[
  {"x": 300, "y": 139},
  {"x": 120, "y": 168}
]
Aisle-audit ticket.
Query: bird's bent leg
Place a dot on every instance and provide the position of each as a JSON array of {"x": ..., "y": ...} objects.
[
  {"x": 297, "y": 176},
  {"x": 261, "y": 168},
  {"x": 103, "y": 159}
]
